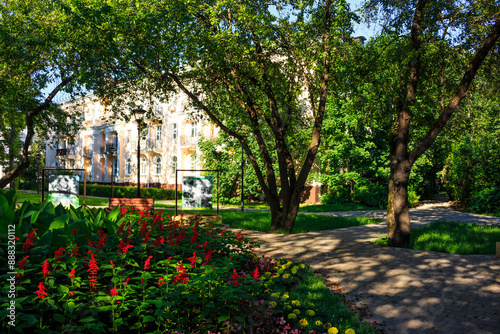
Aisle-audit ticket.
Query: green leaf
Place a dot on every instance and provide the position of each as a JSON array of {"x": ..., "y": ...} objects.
[
  {"x": 148, "y": 318},
  {"x": 59, "y": 318}
]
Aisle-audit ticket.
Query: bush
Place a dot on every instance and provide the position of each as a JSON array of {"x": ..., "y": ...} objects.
[
  {"x": 486, "y": 201},
  {"x": 102, "y": 190},
  {"x": 376, "y": 196}
]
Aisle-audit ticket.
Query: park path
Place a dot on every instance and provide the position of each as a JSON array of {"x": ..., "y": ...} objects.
[{"x": 401, "y": 290}]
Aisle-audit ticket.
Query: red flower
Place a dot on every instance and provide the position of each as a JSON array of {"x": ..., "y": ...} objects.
[
  {"x": 59, "y": 253},
  {"x": 126, "y": 282},
  {"x": 193, "y": 260},
  {"x": 194, "y": 238},
  {"x": 29, "y": 240},
  {"x": 45, "y": 268},
  {"x": 112, "y": 264},
  {"x": 161, "y": 281},
  {"x": 123, "y": 247},
  {"x": 147, "y": 263},
  {"x": 22, "y": 263},
  {"x": 113, "y": 292},
  {"x": 240, "y": 236},
  {"x": 208, "y": 257},
  {"x": 93, "y": 269},
  {"x": 72, "y": 293},
  {"x": 42, "y": 291},
  {"x": 182, "y": 277},
  {"x": 72, "y": 273},
  {"x": 222, "y": 232},
  {"x": 256, "y": 274},
  {"x": 234, "y": 277},
  {"x": 102, "y": 238},
  {"x": 74, "y": 251},
  {"x": 74, "y": 231}
]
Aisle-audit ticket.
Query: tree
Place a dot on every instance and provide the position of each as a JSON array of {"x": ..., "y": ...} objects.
[
  {"x": 469, "y": 30},
  {"x": 39, "y": 48},
  {"x": 254, "y": 68}
]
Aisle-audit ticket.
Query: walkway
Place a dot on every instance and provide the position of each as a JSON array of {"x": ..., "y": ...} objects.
[{"x": 401, "y": 290}]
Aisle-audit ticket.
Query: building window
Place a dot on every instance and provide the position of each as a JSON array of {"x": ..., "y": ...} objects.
[
  {"x": 158, "y": 109},
  {"x": 144, "y": 165},
  {"x": 173, "y": 164},
  {"x": 129, "y": 134},
  {"x": 158, "y": 133},
  {"x": 194, "y": 129},
  {"x": 128, "y": 166},
  {"x": 157, "y": 164},
  {"x": 174, "y": 131}
]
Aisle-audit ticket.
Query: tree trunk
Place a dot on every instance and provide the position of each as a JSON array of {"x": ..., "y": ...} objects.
[
  {"x": 400, "y": 220},
  {"x": 283, "y": 218}
]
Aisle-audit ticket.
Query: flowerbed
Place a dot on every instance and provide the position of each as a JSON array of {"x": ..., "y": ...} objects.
[{"x": 128, "y": 271}]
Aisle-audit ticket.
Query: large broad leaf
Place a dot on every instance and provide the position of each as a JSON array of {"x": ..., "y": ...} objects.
[
  {"x": 6, "y": 213},
  {"x": 59, "y": 222},
  {"x": 113, "y": 215}
]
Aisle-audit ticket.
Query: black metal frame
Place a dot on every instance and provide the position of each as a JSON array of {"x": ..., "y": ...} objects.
[
  {"x": 197, "y": 170},
  {"x": 84, "y": 180}
]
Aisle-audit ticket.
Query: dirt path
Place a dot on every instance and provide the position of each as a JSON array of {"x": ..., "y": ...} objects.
[{"x": 402, "y": 290}]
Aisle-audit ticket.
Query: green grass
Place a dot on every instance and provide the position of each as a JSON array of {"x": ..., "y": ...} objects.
[
  {"x": 261, "y": 220},
  {"x": 452, "y": 237},
  {"x": 333, "y": 207},
  {"x": 35, "y": 199}
]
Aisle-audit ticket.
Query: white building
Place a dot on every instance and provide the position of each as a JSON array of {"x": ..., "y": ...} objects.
[{"x": 105, "y": 148}]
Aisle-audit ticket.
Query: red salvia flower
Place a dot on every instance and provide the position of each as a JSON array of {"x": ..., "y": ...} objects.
[
  {"x": 29, "y": 240},
  {"x": 234, "y": 277},
  {"x": 22, "y": 263},
  {"x": 123, "y": 210},
  {"x": 222, "y": 232},
  {"x": 59, "y": 253},
  {"x": 45, "y": 268},
  {"x": 72, "y": 273},
  {"x": 112, "y": 264},
  {"x": 240, "y": 236},
  {"x": 146, "y": 238},
  {"x": 193, "y": 260},
  {"x": 182, "y": 234},
  {"x": 161, "y": 281},
  {"x": 194, "y": 238},
  {"x": 120, "y": 228},
  {"x": 102, "y": 239},
  {"x": 74, "y": 251},
  {"x": 93, "y": 269},
  {"x": 208, "y": 257},
  {"x": 113, "y": 292},
  {"x": 147, "y": 263},
  {"x": 42, "y": 291},
  {"x": 126, "y": 282},
  {"x": 74, "y": 232},
  {"x": 124, "y": 247},
  {"x": 182, "y": 277},
  {"x": 72, "y": 293},
  {"x": 256, "y": 275}
]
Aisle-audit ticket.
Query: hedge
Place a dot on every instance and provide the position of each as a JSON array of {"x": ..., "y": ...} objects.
[{"x": 102, "y": 190}]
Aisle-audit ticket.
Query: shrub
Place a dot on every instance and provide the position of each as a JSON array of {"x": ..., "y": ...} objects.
[
  {"x": 102, "y": 190},
  {"x": 376, "y": 196},
  {"x": 486, "y": 201}
]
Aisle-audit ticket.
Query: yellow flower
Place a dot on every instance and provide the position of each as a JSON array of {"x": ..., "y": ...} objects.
[
  {"x": 310, "y": 313},
  {"x": 333, "y": 330},
  {"x": 286, "y": 276},
  {"x": 303, "y": 322},
  {"x": 296, "y": 311},
  {"x": 280, "y": 271},
  {"x": 267, "y": 273},
  {"x": 285, "y": 296},
  {"x": 296, "y": 303},
  {"x": 274, "y": 294},
  {"x": 288, "y": 307},
  {"x": 318, "y": 323},
  {"x": 273, "y": 304},
  {"x": 350, "y": 331},
  {"x": 292, "y": 316},
  {"x": 276, "y": 275},
  {"x": 302, "y": 266},
  {"x": 294, "y": 271},
  {"x": 276, "y": 268}
]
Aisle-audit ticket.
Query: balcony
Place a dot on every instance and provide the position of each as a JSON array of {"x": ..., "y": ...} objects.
[
  {"x": 61, "y": 152},
  {"x": 153, "y": 144},
  {"x": 111, "y": 149},
  {"x": 133, "y": 145},
  {"x": 188, "y": 141}
]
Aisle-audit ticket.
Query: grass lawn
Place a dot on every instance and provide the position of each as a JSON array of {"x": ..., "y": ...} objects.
[
  {"x": 452, "y": 237},
  {"x": 334, "y": 207},
  {"x": 261, "y": 220},
  {"x": 35, "y": 199}
]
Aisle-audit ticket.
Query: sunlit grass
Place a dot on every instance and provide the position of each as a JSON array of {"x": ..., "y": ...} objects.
[
  {"x": 333, "y": 207},
  {"x": 452, "y": 237}
]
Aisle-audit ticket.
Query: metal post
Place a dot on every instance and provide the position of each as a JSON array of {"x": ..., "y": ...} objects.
[
  {"x": 138, "y": 159},
  {"x": 38, "y": 175},
  {"x": 242, "y": 175}
]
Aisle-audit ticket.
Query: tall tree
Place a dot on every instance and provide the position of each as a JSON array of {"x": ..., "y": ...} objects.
[
  {"x": 254, "y": 68},
  {"x": 40, "y": 51},
  {"x": 468, "y": 29}
]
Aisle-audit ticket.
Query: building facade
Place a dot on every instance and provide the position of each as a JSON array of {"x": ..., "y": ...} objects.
[{"x": 107, "y": 149}]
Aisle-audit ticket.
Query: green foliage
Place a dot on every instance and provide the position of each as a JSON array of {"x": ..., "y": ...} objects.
[
  {"x": 102, "y": 190},
  {"x": 128, "y": 270},
  {"x": 486, "y": 201}
]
